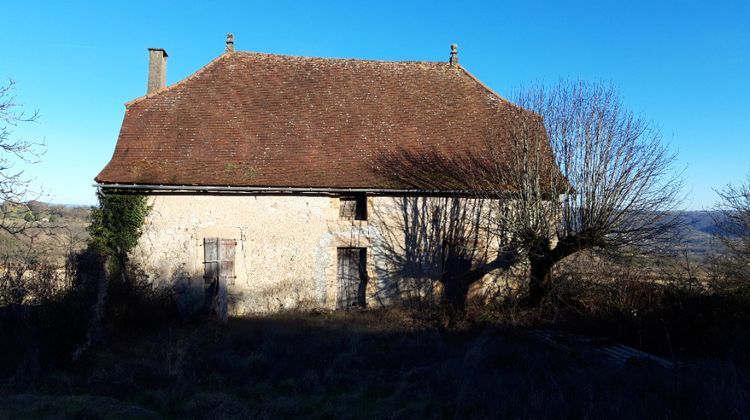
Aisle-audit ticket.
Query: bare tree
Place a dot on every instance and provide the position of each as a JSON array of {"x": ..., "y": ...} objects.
[
  {"x": 735, "y": 231},
  {"x": 609, "y": 187},
  {"x": 569, "y": 169},
  {"x": 15, "y": 186}
]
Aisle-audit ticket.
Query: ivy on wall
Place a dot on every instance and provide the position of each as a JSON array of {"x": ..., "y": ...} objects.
[{"x": 117, "y": 224}]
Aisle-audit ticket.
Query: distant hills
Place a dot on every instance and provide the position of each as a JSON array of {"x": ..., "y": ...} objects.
[{"x": 699, "y": 232}]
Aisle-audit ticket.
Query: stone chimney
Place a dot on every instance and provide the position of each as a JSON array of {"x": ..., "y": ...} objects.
[
  {"x": 454, "y": 55},
  {"x": 157, "y": 69},
  {"x": 230, "y": 43}
]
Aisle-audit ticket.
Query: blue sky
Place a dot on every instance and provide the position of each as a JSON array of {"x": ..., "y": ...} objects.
[{"x": 683, "y": 64}]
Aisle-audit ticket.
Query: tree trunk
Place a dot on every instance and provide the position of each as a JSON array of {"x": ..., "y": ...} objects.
[
  {"x": 455, "y": 289},
  {"x": 540, "y": 280},
  {"x": 459, "y": 276},
  {"x": 122, "y": 261},
  {"x": 92, "y": 272}
]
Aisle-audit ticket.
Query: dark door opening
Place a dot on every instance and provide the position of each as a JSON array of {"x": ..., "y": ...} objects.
[{"x": 352, "y": 277}]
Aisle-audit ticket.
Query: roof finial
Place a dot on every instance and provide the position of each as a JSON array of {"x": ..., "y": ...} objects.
[
  {"x": 454, "y": 54},
  {"x": 230, "y": 43}
]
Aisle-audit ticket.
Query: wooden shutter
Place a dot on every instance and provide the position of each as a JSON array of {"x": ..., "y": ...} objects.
[
  {"x": 347, "y": 207},
  {"x": 210, "y": 260},
  {"x": 218, "y": 273},
  {"x": 226, "y": 260},
  {"x": 353, "y": 207}
]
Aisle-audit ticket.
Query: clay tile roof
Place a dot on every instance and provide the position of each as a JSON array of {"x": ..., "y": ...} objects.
[{"x": 261, "y": 120}]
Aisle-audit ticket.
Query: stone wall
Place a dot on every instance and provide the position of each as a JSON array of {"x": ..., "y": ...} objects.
[{"x": 286, "y": 248}]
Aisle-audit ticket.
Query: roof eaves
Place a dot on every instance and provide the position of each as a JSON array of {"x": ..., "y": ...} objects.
[{"x": 228, "y": 188}]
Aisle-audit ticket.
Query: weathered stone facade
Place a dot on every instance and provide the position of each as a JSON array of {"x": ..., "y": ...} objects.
[
  {"x": 286, "y": 252},
  {"x": 244, "y": 161}
]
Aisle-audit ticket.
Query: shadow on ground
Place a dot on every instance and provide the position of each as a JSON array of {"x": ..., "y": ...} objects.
[{"x": 372, "y": 365}]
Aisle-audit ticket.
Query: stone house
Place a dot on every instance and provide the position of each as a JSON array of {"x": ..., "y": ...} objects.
[{"x": 268, "y": 177}]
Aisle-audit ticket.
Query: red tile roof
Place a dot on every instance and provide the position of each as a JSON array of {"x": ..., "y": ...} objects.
[{"x": 260, "y": 120}]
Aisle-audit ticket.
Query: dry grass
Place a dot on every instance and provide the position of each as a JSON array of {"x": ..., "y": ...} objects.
[
  {"x": 57, "y": 232},
  {"x": 392, "y": 363}
]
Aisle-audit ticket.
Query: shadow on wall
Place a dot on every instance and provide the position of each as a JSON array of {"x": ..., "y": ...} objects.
[
  {"x": 440, "y": 247},
  {"x": 193, "y": 295},
  {"x": 425, "y": 250},
  {"x": 434, "y": 249}
]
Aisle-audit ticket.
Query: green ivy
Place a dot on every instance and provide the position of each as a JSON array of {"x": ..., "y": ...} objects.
[{"x": 116, "y": 224}]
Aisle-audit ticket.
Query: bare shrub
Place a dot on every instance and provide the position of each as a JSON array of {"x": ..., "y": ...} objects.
[
  {"x": 29, "y": 278},
  {"x": 734, "y": 261}
]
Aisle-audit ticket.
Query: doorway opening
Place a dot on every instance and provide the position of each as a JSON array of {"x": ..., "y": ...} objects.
[{"x": 352, "y": 278}]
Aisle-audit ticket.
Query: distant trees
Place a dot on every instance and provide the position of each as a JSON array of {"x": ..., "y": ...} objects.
[
  {"x": 735, "y": 230},
  {"x": 15, "y": 186}
]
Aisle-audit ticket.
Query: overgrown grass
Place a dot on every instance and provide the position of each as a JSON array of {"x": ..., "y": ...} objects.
[
  {"x": 375, "y": 364},
  {"x": 43, "y": 326},
  {"x": 679, "y": 317}
]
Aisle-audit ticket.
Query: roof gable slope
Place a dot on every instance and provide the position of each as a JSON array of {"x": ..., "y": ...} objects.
[{"x": 262, "y": 120}]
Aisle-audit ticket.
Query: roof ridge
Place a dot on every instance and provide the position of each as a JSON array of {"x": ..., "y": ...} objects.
[
  {"x": 191, "y": 77},
  {"x": 310, "y": 57}
]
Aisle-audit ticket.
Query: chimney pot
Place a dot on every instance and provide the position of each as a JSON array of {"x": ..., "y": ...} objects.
[
  {"x": 157, "y": 69},
  {"x": 454, "y": 55},
  {"x": 230, "y": 43}
]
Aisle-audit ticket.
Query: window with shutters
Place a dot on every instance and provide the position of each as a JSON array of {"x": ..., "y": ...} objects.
[
  {"x": 352, "y": 277},
  {"x": 218, "y": 273},
  {"x": 353, "y": 207}
]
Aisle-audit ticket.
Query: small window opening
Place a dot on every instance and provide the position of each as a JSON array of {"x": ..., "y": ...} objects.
[{"x": 353, "y": 207}]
